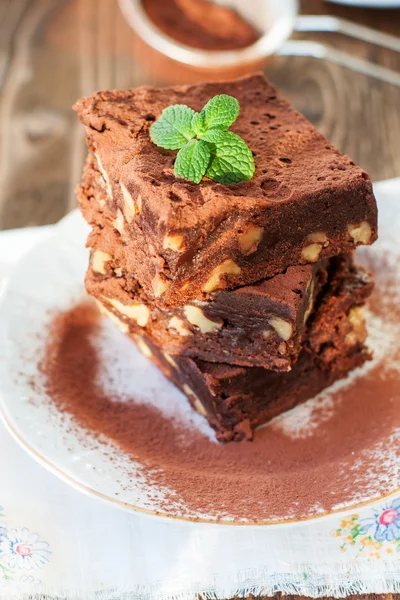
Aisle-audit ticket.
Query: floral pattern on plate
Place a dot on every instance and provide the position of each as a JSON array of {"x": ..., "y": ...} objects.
[
  {"x": 377, "y": 535},
  {"x": 21, "y": 550}
]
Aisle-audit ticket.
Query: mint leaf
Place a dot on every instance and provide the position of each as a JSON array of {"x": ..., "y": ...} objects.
[
  {"x": 231, "y": 159},
  {"x": 174, "y": 128},
  {"x": 192, "y": 161},
  {"x": 206, "y": 147},
  {"x": 219, "y": 113},
  {"x": 198, "y": 125}
]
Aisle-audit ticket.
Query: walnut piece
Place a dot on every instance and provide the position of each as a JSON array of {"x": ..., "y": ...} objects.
[
  {"x": 143, "y": 347},
  {"x": 310, "y": 291},
  {"x": 283, "y": 328},
  {"x": 174, "y": 242},
  {"x": 248, "y": 241},
  {"x": 138, "y": 312},
  {"x": 197, "y": 405},
  {"x": 104, "y": 175},
  {"x": 107, "y": 313},
  {"x": 356, "y": 318},
  {"x": 228, "y": 267},
  {"x": 119, "y": 222},
  {"x": 170, "y": 360},
  {"x": 195, "y": 316},
  {"x": 360, "y": 233},
  {"x": 128, "y": 204},
  {"x": 177, "y": 324},
  {"x": 311, "y": 252},
  {"x": 318, "y": 237},
  {"x": 282, "y": 348},
  {"x": 99, "y": 260},
  {"x": 159, "y": 286}
]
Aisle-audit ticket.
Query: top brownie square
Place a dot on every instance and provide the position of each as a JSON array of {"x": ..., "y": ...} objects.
[{"x": 305, "y": 202}]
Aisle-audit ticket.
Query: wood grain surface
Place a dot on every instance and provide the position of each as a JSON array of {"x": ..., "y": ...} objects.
[{"x": 53, "y": 51}]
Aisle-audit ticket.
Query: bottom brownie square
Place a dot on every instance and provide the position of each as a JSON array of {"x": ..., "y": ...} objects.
[{"x": 235, "y": 400}]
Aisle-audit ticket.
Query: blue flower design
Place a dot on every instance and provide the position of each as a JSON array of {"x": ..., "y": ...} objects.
[
  {"x": 23, "y": 549},
  {"x": 386, "y": 523}
]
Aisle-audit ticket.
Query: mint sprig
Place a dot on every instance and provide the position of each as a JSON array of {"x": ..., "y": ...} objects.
[
  {"x": 219, "y": 113},
  {"x": 206, "y": 147},
  {"x": 231, "y": 159},
  {"x": 174, "y": 128},
  {"x": 193, "y": 160}
]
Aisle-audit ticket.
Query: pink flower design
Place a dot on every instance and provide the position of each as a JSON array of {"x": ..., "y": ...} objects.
[
  {"x": 386, "y": 523},
  {"x": 23, "y": 549}
]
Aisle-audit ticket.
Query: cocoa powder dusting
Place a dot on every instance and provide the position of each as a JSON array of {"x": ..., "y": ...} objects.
[{"x": 279, "y": 475}]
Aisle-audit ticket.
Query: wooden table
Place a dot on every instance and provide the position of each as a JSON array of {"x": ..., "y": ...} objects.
[{"x": 53, "y": 51}]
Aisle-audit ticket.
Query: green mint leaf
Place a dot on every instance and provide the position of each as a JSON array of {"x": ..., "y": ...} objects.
[
  {"x": 231, "y": 159},
  {"x": 192, "y": 161},
  {"x": 198, "y": 125},
  {"x": 219, "y": 113},
  {"x": 206, "y": 147},
  {"x": 174, "y": 128}
]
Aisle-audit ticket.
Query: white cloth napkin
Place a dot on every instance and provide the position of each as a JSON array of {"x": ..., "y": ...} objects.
[{"x": 56, "y": 541}]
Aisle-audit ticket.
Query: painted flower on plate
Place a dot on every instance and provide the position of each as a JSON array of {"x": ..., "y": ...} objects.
[
  {"x": 23, "y": 549},
  {"x": 386, "y": 523}
]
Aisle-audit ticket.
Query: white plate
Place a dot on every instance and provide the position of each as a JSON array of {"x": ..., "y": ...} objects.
[{"x": 51, "y": 278}]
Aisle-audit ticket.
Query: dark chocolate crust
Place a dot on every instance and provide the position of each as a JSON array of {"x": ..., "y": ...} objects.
[
  {"x": 304, "y": 192},
  {"x": 236, "y": 400},
  {"x": 258, "y": 325}
]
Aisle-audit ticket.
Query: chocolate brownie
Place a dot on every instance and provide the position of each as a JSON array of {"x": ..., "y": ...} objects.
[
  {"x": 305, "y": 202},
  {"x": 236, "y": 400},
  {"x": 258, "y": 325}
]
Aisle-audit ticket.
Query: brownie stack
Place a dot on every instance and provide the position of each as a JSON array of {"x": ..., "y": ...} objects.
[{"x": 246, "y": 296}]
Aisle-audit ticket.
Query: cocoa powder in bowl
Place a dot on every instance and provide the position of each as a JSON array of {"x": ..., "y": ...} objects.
[{"x": 201, "y": 24}]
